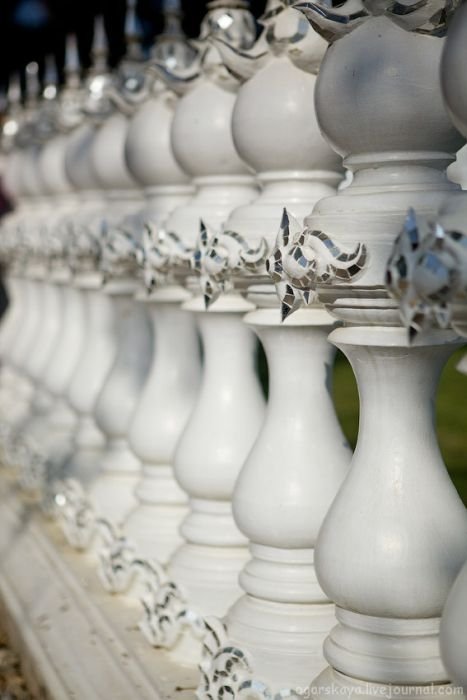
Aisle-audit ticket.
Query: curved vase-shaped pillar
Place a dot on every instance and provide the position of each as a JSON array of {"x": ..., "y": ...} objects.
[
  {"x": 390, "y": 581},
  {"x": 394, "y": 538},
  {"x": 90, "y": 374},
  {"x": 117, "y": 468},
  {"x": 217, "y": 439},
  {"x": 452, "y": 633},
  {"x": 298, "y": 464},
  {"x": 160, "y": 417},
  {"x": 300, "y": 456}
]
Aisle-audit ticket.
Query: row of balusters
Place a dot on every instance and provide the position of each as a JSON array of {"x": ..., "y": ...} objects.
[{"x": 147, "y": 222}]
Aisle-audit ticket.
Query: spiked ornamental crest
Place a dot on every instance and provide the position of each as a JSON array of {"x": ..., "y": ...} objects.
[
  {"x": 427, "y": 273},
  {"x": 162, "y": 256},
  {"x": 218, "y": 258},
  {"x": 332, "y": 19},
  {"x": 302, "y": 259}
]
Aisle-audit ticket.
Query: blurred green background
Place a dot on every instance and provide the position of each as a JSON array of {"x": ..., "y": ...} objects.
[{"x": 451, "y": 416}]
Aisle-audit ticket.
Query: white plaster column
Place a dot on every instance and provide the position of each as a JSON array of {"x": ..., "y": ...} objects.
[
  {"x": 222, "y": 428},
  {"x": 118, "y": 469},
  {"x": 49, "y": 328},
  {"x": 391, "y": 586},
  {"x": 20, "y": 313},
  {"x": 58, "y": 418},
  {"x": 300, "y": 457},
  {"x": 10, "y": 245},
  {"x": 229, "y": 409},
  {"x": 453, "y": 635},
  {"x": 392, "y": 541},
  {"x": 61, "y": 419},
  {"x": 453, "y": 638},
  {"x": 203, "y": 146},
  {"x": 297, "y": 464},
  {"x": 88, "y": 160},
  {"x": 30, "y": 225},
  {"x": 160, "y": 417},
  {"x": 33, "y": 344},
  {"x": 90, "y": 374},
  {"x": 172, "y": 383}
]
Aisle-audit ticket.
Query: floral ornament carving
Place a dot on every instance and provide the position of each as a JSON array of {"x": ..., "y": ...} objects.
[
  {"x": 75, "y": 514},
  {"x": 13, "y": 251},
  {"x": 6, "y": 432},
  {"x": 161, "y": 256},
  {"x": 218, "y": 257},
  {"x": 334, "y": 19},
  {"x": 227, "y": 671},
  {"x": 119, "y": 252},
  {"x": 24, "y": 455},
  {"x": 32, "y": 467},
  {"x": 13, "y": 448},
  {"x": 234, "y": 25},
  {"x": 56, "y": 246},
  {"x": 166, "y": 611},
  {"x": 426, "y": 272},
  {"x": 83, "y": 248},
  {"x": 302, "y": 259},
  {"x": 117, "y": 557}
]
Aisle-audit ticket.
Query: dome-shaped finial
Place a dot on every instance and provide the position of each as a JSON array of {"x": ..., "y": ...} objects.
[
  {"x": 99, "y": 47},
  {"x": 172, "y": 11},
  {"x": 14, "y": 91},
  {"x": 50, "y": 78},
  {"x": 172, "y": 49},
  {"x": 32, "y": 83},
  {"x": 133, "y": 33},
  {"x": 72, "y": 64}
]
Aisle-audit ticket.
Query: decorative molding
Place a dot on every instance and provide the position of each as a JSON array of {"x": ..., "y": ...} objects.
[
  {"x": 64, "y": 622},
  {"x": 75, "y": 514},
  {"x": 425, "y": 17},
  {"x": 162, "y": 255},
  {"x": 218, "y": 257},
  {"x": 21, "y": 453},
  {"x": 83, "y": 246},
  {"x": 119, "y": 252},
  {"x": 228, "y": 671},
  {"x": 304, "y": 258},
  {"x": 166, "y": 610},
  {"x": 32, "y": 463},
  {"x": 117, "y": 557},
  {"x": 426, "y": 272}
]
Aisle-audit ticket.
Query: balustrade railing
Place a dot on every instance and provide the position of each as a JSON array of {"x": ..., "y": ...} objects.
[{"x": 290, "y": 184}]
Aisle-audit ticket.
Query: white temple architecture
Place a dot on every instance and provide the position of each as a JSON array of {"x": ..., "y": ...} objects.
[{"x": 166, "y": 531}]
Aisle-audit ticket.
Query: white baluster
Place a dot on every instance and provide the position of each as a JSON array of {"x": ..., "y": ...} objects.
[
  {"x": 172, "y": 382},
  {"x": 223, "y": 426},
  {"x": 118, "y": 468},
  {"x": 297, "y": 465},
  {"x": 62, "y": 419},
  {"x": 90, "y": 374},
  {"x": 54, "y": 427},
  {"x": 394, "y": 537},
  {"x": 300, "y": 458},
  {"x": 453, "y": 638},
  {"x": 373, "y": 575},
  {"x": 453, "y": 634},
  {"x": 229, "y": 409},
  {"x": 162, "y": 412}
]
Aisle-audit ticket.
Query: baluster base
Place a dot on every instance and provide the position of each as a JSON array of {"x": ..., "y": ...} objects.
[
  {"x": 333, "y": 684},
  {"x": 112, "y": 491},
  {"x": 154, "y": 523}
]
